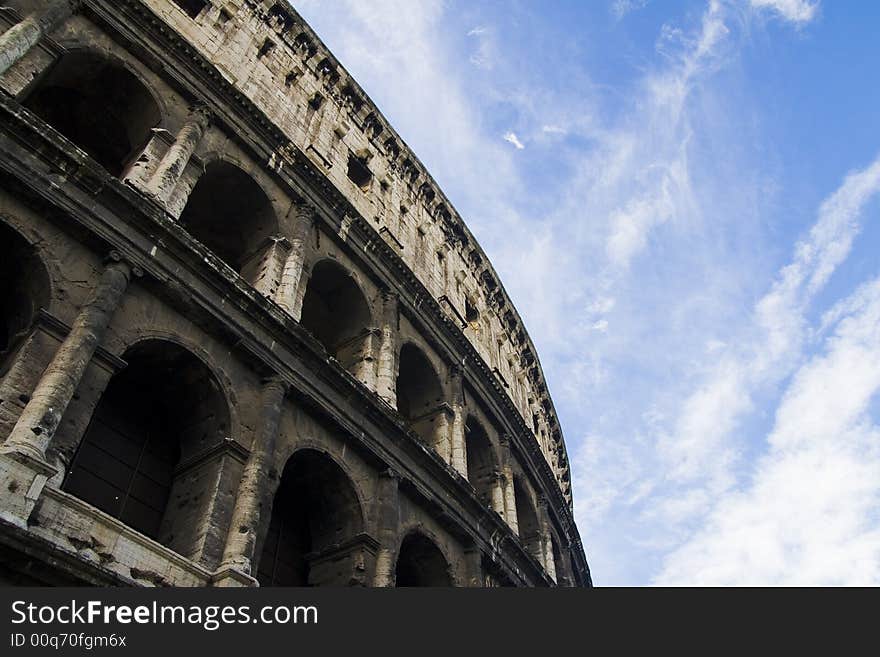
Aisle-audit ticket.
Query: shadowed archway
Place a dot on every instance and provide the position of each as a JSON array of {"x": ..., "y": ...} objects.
[
  {"x": 315, "y": 522},
  {"x": 164, "y": 407},
  {"x": 99, "y": 105},
  {"x": 421, "y": 563}
]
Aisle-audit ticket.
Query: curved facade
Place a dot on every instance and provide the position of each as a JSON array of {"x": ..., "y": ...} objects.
[{"x": 245, "y": 338}]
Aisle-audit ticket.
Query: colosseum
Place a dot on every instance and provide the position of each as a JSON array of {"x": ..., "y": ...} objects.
[{"x": 245, "y": 339}]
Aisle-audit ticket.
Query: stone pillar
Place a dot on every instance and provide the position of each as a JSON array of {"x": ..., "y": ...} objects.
[
  {"x": 288, "y": 294},
  {"x": 499, "y": 504},
  {"x": 265, "y": 268},
  {"x": 164, "y": 179},
  {"x": 21, "y": 37},
  {"x": 387, "y": 527},
  {"x": 473, "y": 558},
  {"x": 458, "y": 448},
  {"x": 253, "y": 502},
  {"x": 38, "y": 422},
  {"x": 509, "y": 493},
  {"x": 386, "y": 377},
  {"x": 546, "y": 538}
]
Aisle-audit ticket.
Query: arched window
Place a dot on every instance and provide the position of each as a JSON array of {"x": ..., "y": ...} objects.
[
  {"x": 316, "y": 510},
  {"x": 98, "y": 105},
  {"x": 164, "y": 407},
  {"x": 421, "y": 563},
  {"x": 481, "y": 464},
  {"x": 337, "y": 314},
  {"x": 527, "y": 519},
  {"x": 419, "y": 394},
  {"x": 230, "y": 214},
  {"x": 24, "y": 289}
]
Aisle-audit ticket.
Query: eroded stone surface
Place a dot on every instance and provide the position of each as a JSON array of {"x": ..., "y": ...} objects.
[{"x": 312, "y": 343}]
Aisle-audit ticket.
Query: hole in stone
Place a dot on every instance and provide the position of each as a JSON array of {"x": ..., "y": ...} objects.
[
  {"x": 267, "y": 47},
  {"x": 192, "y": 8},
  {"x": 359, "y": 173},
  {"x": 224, "y": 17},
  {"x": 471, "y": 314}
]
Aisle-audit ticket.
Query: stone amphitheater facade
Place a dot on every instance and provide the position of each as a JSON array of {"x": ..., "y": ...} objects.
[{"x": 245, "y": 338}]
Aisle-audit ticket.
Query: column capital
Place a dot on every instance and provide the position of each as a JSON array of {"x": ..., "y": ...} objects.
[
  {"x": 57, "y": 12},
  {"x": 541, "y": 501},
  {"x": 391, "y": 474},
  {"x": 124, "y": 264},
  {"x": 389, "y": 296},
  {"x": 275, "y": 383},
  {"x": 202, "y": 114},
  {"x": 304, "y": 210}
]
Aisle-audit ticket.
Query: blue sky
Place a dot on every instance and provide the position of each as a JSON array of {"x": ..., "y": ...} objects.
[{"x": 682, "y": 198}]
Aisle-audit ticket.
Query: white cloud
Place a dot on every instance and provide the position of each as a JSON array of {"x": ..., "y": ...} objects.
[
  {"x": 796, "y": 11},
  {"x": 511, "y": 138},
  {"x": 811, "y": 515},
  {"x": 620, "y": 8},
  {"x": 770, "y": 350}
]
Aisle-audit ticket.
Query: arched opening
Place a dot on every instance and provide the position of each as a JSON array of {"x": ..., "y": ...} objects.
[
  {"x": 162, "y": 408},
  {"x": 421, "y": 563},
  {"x": 527, "y": 519},
  {"x": 481, "y": 465},
  {"x": 230, "y": 214},
  {"x": 97, "y": 104},
  {"x": 335, "y": 311},
  {"x": 419, "y": 394},
  {"x": 25, "y": 287},
  {"x": 316, "y": 519}
]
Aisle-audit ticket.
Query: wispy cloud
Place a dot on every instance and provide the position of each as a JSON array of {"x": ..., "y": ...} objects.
[
  {"x": 620, "y": 8},
  {"x": 511, "y": 138},
  {"x": 796, "y": 11},
  {"x": 810, "y": 513}
]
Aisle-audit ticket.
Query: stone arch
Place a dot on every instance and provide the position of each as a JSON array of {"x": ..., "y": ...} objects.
[
  {"x": 482, "y": 461},
  {"x": 420, "y": 395},
  {"x": 528, "y": 525},
  {"x": 26, "y": 287},
  {"x": 335, "y": 310},
  {"x": 421, "y": 562},
  {"x": 99, "y": 104},
  {"x": 158, "y": 413},
  {"x": 233, "y": 216},
  {"x": 315, "y": 532},
  {"x": 218, "y": 373}
]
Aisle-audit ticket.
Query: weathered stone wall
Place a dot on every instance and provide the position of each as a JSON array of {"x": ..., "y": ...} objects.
[
  {"x": 307, "y": 93},
  {"x": 242, "y": 321}
]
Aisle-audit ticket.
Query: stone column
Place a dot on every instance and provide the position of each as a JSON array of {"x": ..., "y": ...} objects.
[
  {"x": 164, "y": 179},
  {"x": 509, "y": 493},
  {"x": 253, "y": 502},
  {"x": 265, "y": 268},
  {"x": 386, "y": 377},
  {"x": 288, "y": 295},
  {"x": 21, "y": 37},
  {"x": 38, "y": 422},
  {"x": 546, "y": 538},
  {"x": 458, "y": 448},
  {"x": 499, "y": 504},
  {"x": 387, "y": 527},
  {"x": 473, "y": 558}
]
